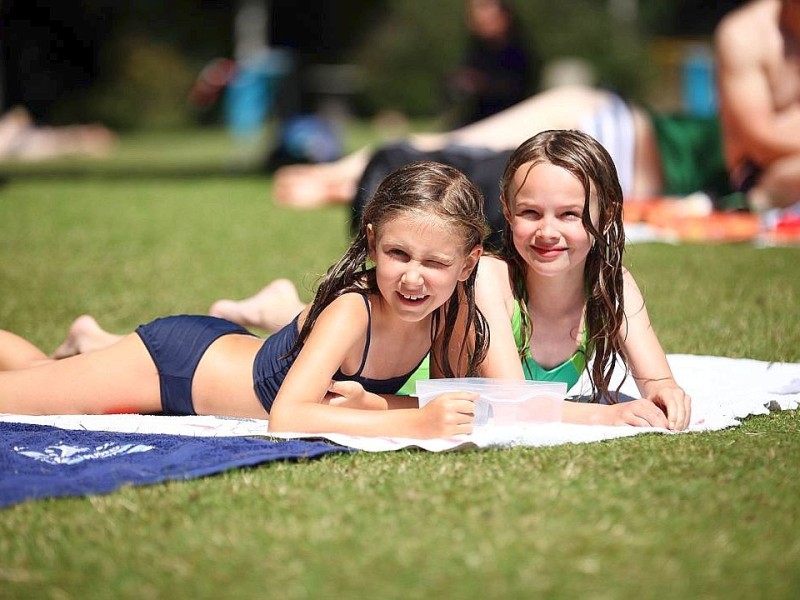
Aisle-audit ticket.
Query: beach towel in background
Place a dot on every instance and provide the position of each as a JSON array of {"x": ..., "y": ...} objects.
[
  {"x": 694, "y": 218},
  {"x": 38, "y": 461}
]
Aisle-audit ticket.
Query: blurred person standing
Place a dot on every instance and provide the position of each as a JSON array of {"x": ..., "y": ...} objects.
[{"x": 498, "y": 68}]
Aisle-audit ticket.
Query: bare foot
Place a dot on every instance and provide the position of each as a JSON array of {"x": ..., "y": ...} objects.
[
  {"x": 41, "y": 143},
  {"x": 85, "y": 335},
  {"x": 310, "y": 186},
  {"x": 270, "y": 309},
  {"x": 13, "y": 126}
]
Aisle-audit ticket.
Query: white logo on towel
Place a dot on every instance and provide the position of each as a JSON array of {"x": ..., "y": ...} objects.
[{"x": 62, "y": 454}]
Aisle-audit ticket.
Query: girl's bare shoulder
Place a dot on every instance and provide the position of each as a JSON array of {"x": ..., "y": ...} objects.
[
  {"x": 350, "y": 305},
  {"x": 493, "y": 269}
]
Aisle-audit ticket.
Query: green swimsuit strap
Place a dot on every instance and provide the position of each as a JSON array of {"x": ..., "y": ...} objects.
[{"x": 567, "y": 372}]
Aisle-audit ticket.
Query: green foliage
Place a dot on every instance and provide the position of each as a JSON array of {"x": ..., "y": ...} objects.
[
  {"x": 405, "y": 48},
  {"x": 584, "y": 29},
  {"x": 408, "y": 54},
  {"x": 153, "y": 50},
  {"x": 149, "y": 87}
]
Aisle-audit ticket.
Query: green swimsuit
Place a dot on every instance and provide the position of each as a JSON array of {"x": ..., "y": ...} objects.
[{"x": 568, "y": 372}]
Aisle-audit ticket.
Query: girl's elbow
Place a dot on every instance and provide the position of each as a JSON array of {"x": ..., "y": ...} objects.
[{"x": 278, "y": 420}]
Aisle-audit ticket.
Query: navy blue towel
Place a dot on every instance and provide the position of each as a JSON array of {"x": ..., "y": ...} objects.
[{"x": 39, "y": 461}]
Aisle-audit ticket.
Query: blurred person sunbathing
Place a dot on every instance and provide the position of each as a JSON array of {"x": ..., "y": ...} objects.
[
  {"x": 605, "y": 116},
  {"x": 749, "y": 157},
  {"x": 22, "y": 140}
]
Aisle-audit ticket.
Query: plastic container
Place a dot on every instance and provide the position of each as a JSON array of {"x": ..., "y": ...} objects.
[{"x": 502, "y": 401}]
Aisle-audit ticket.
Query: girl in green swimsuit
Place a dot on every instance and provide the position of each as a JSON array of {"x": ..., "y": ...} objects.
[
  {"x": 562, "y": 285},
  {"x": 568, "y": 372}
]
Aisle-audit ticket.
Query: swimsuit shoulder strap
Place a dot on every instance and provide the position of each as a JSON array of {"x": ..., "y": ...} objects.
[{"x": 369, "y": 336}]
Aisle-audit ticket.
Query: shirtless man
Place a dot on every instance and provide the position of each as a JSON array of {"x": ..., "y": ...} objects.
[{"x": 758, "y": 61}]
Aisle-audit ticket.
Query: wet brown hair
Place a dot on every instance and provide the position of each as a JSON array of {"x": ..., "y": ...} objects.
[
  {"x": 437, "y": 192},
  {"x": 591, "y": 164}
]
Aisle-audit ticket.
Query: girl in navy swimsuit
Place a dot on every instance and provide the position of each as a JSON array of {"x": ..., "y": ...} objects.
[{"x": 405, "y": 288}]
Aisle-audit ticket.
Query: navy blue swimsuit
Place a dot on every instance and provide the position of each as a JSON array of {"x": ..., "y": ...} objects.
[
  {"x": 176, "y": 345},
  {"x": 270, "y": 367}
]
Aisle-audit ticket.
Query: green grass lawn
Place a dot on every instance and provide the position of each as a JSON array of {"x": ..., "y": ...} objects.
[{"x": 175, "y": 221}]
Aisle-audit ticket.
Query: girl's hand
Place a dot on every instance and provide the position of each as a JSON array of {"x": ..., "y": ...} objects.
[
  {"x": 648, "y": 363},
  {"x": 676, "y": 404},
  {"x": 640, "y": 413},
  {"x": 448, "y": 414},
  {"x": 351, "y": 394}
]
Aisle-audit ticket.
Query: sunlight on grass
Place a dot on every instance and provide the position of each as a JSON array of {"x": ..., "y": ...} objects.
[{"x": 166, "y": 227}]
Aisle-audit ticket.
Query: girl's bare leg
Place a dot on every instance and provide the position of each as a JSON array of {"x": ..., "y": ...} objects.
[
  {"x": 270, "y": 309},
  {"x": 309, "y": 186},
  {"x": 13, "y": 125},
  {"x": 85, "y": 335},
  {"x": 558, "y": 108},
  {"x": 121, "y": 378},
  {"x": 18, "y": 353}
]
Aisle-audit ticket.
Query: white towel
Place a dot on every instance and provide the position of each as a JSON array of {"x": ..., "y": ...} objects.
[{"x": 723, "y": 390}]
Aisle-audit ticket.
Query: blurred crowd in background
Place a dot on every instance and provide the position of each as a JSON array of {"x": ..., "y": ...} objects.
[{"x": 133, "y": 65}]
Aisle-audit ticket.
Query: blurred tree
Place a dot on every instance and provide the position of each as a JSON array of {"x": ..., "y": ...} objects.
[
  {"x": 681, "y": 18},
  {"x": 407, "y": 54},
  {"x": 63, "y": 58},
  {"x": 59, "y": 55},
  {"x": 50, "y": 51}
]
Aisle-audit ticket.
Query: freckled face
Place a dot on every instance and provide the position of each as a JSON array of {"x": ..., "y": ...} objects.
[
  {"x": 418, "y": 262},
  {"x": 546, "y": 221}
]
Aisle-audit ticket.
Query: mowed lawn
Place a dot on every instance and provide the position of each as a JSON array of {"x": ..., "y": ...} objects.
[{"x": 175, "y": 221}]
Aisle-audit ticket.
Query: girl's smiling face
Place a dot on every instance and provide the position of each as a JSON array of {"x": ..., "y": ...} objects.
[
  {"x": 545, "y": 219},
  {"x": 418, "y": 262}
]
